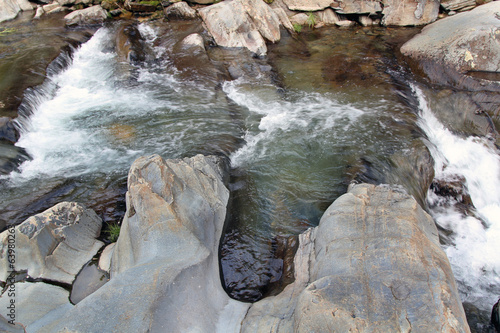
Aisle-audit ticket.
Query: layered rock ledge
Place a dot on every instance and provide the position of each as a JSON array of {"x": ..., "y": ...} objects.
[{"x": 373, "y": 264}]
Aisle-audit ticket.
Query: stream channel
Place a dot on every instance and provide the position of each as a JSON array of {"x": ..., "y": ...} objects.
[{"x": 324, "y": 108}]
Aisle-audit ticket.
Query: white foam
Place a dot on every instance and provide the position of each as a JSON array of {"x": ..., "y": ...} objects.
[
  {"x": 312, "y": 113},
  {"x": 474, "y": 254}
]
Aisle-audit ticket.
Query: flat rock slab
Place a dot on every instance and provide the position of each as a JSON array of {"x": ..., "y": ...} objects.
[{"x": 52, "y": 245}]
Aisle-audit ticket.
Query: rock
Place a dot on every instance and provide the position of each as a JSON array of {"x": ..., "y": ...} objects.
[
  {"x": 409, "y": 12},
  {"x": 367, "y": 21},
  {"x": 87, "y": 281},
  {"x": 9, "y": 9},
  {"x": 464, "y": 42},
  {"x": 53, "y": 245},
  {"x": 34, "y": 301},
  {"x": 194, "y": 42},
  {"x": 495, "y": 316},
  {"x": 8, "y": 132},
  {"x": 202, "y": 2},
  {"x": 10, "y": 327},
  {"x": 39, "y": 12},
  {"x": 66, "y": 2},
  {"x": 242, "y": 23},
  {"x": 284, "y": 20},
  {"x": 53, "y": 8},
  {"x": 180, "y": 10},
  {"x": 130, "y": 47},
  {"x": 142, "y": 7},
  {"x": 91, "y": 15},
  {"x": 458, "y": 5},
  {"x": 105, "y": 258},
  {"x": 329, "y": 17},
  {"x": 165, "y": 270},
  {"x": 300, "y": 19},
  {"x": 11, "y": 157},
  {"x": 357, "y": 6},
  {"x": 307, "y": 5},
  {"x": 374, "y": 263}
]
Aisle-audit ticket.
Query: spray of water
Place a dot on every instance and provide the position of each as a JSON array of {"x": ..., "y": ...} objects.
[{"x": 475, "y": 246}]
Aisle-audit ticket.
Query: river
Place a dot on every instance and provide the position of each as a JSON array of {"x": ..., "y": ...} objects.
[{"x": 329, "y": 107}]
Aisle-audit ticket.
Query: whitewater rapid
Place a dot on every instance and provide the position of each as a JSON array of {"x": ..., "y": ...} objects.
[{"x": 475, "y": 246}]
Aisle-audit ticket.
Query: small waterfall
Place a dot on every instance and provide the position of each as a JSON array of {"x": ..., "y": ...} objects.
[{"x": 475, "y": 241}]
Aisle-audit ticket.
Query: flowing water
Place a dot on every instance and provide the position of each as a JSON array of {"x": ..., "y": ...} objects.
[
  {"x": 328, "y": 113},
  {"x": 472, "y": 242}
]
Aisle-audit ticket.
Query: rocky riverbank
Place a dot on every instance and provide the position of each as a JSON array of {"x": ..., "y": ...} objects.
[{"x": 374, "y": 262}]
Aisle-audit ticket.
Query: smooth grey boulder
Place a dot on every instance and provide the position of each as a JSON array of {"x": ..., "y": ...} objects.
[
  {"x": 180, "y": 10},
  {"x": 53, "y": 245},
  {"x": 374, "y": 264},
  {"x": 35, "y": 303},
  {"x": 409, "y": 12},
  {"x": 467, "y": 41},
  {"x": 164, "y": 269},
  {"x": 91, "y": 15},
  {"x": 242, "y": 23}
]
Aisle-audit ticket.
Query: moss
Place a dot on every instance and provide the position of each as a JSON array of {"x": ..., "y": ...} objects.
[{"x": 151, "y": 3}]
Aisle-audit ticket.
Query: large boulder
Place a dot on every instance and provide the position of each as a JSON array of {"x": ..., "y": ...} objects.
[
  {"x": 465, "y": 42},
  {"x": 373, "y": 264},
  {"x": 409, "y": 12},
  {"x": 458, "y": 5},
  {"x": 242, "y": 23},
  {"x": 164, "y": 268},
  {"x": 10, "y": 8},
  {"x": 52, "y": 245},
  {"x": 91, "y": 15}
]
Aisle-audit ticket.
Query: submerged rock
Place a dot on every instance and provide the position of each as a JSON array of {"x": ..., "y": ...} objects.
[
  {"x": 242, "y": 23},
  {"x": 374, "y": 263},
  {"x": 53, "y": 245}
]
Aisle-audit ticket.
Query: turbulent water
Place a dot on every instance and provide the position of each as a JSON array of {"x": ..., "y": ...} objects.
[
  {"x": 473, "y": 245},
  {"x": 328, "y": 114}
]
